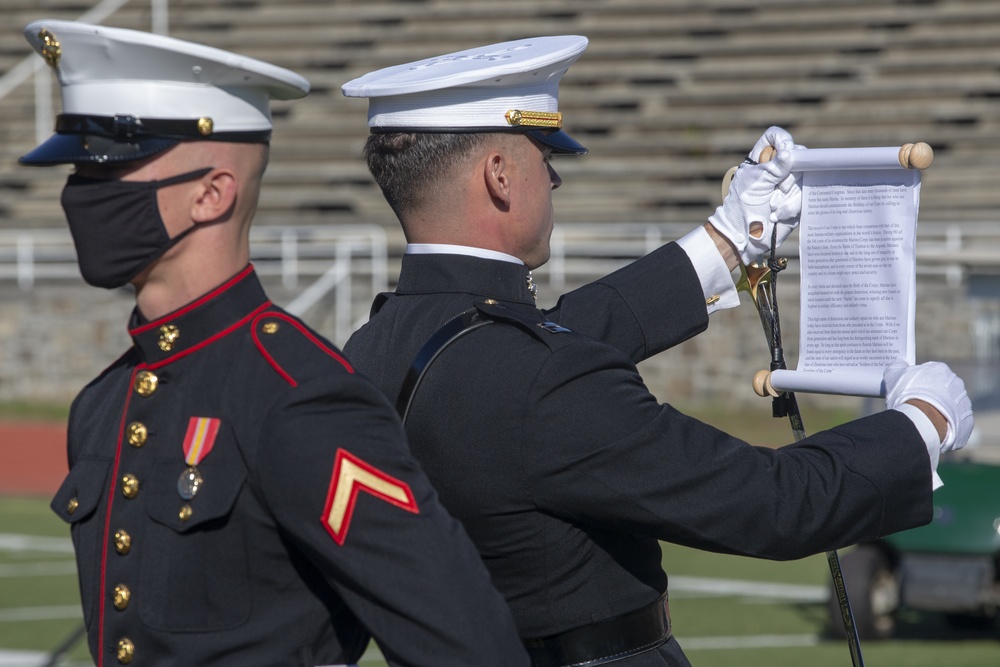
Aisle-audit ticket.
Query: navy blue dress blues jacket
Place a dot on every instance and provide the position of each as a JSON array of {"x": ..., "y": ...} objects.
[
  {"x": 239, "y": 495},
  {"x": 566, "y": 471}
]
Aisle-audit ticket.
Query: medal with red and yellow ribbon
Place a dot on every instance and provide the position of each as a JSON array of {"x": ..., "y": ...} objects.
[{"x": 198, "y": 442}]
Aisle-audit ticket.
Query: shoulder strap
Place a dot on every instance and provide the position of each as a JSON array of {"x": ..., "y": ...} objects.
[
  {"x": 451, "y": 331},
  {"x": 533, "y": 323},
  {"x": 484, "y": 312}
]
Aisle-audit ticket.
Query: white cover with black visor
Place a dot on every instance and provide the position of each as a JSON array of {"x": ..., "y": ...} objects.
[
  {"x": 128, "y": 94},
  {"x": 506, "y": 87}
]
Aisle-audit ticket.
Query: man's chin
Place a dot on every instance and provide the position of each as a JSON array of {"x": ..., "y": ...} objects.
[{"x": 536, "y": 262}]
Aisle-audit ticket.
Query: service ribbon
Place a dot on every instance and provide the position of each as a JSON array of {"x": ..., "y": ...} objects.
[{"x": 200, "y": 438}]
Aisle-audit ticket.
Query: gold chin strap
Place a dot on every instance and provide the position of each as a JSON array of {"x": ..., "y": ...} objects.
[{"x": 522, "y": 118}]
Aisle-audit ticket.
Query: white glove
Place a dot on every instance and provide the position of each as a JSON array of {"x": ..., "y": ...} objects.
[
  {"x": 936, "y": 384},
  {"x": 768, "y": 194}
]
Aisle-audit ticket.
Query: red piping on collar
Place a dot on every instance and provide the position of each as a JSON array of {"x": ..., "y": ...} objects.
[
  {"x": 211, "y": 339},
  {"x": 196, "y": 303}
]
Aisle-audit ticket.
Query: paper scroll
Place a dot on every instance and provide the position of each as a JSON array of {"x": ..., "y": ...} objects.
[{"x": 857, "y": 239}]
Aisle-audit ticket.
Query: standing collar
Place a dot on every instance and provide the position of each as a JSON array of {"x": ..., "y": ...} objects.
[
  {"x": 462, "y": 274},
  {"x": 201, "y": 322}
]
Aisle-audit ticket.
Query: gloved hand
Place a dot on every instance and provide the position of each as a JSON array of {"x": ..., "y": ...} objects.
[
  {"x": 936, "y": 384},
  {"x": 761, "y": 197}
]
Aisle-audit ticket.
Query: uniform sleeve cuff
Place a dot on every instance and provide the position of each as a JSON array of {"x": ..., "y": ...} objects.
[
  {"x": 713, "y": 274},
  {"x": 929, "y": 435}
]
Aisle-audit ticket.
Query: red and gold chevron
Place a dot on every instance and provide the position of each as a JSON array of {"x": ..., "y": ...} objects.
[{"x": 351, "y": 475}]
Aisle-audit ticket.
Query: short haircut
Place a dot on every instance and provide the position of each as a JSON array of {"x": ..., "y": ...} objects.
[{"x": 409, "y": 165}]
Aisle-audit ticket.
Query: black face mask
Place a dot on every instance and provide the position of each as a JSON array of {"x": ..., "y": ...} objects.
[{"x": 116, "y": 226}]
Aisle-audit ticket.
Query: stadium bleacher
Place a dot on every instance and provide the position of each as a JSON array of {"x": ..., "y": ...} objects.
[{"x": 669, "y": 94}]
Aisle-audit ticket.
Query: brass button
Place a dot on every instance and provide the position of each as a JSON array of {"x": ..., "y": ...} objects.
[
  {"x": 168, "y": 336},
  {"x": 130, "y": 486},
  {"x": 185, "y": 513},
  {"x": 72, "y": 505},
  {"x": 205, "y": 126},
  {"x": 123, "y": 542},
  {"x": 137, "y": 434},
  {"x": 145, "y": 383},
  {"x": 270, "y": 327},
  {"x": 126, "y": 650},
  {"x": 491, "y": 302},
  {"x": 122, "y": 597}
]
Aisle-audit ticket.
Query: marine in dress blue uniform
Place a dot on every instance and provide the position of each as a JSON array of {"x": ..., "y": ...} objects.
[
  {"x": 536, "y": 427},
  {"x": 238, "y": 493}
]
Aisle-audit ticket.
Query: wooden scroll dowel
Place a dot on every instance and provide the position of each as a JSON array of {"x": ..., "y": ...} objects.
[
  {"x": 910, "y": 156},
  {"x": 762, "y": 385},
  {"x": 916, "y": 156}
]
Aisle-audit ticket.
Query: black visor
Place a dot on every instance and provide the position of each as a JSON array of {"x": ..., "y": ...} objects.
[
  {"x": 79, "y": 148},
  {"x": 117, "y": 139},
  {"x": 558, "y": 141}
]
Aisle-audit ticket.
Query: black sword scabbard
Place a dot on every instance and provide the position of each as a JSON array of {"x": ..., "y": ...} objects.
[{"x": 760, "y": 281}]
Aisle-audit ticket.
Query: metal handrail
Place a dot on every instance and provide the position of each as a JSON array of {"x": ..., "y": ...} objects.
[
  {"x": 332, "y": 257},
  {"x": 28, "y": 256}
]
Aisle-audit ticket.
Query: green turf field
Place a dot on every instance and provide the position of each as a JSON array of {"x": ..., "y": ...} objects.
[
  {"x": 778, "y": 626},
  {"x": 727, "y": 611}
]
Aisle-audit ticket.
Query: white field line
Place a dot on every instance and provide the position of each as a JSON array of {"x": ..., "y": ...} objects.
[
  {"x": 748, "y": 641},
  {"x": 21, "y": 543},
  {"x": 680, "y": 586},
  {"x": 60, "y": 568},
  {"x": 40, "y": 613},
  {"x": 33, "y": 658},
  {"x": 10, "y": 658},
  {"x": 706, "y": 587},
  {"x": 21, "y": 658},
  {"x": 694, "y": 644}
]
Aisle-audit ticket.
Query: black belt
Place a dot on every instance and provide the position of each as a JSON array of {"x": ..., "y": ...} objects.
[{"x": 607, "y": 641}]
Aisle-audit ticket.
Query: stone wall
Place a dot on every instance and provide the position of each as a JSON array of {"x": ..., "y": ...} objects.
[{"x": 57, "y": 337}]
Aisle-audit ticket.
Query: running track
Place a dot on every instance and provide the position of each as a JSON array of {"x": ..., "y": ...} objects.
[{"x": 32, "y": 458}]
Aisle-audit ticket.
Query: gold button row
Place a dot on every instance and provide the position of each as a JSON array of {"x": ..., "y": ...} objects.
[
  {"x": 130, "y": 486},
  {"x": 122, "y": 596},
  {"x": 146, "y": 383},
  {"x": 126, "y": 650},
  {"x": 123, "y": 542},
  {"x": 137, "y": 433}
]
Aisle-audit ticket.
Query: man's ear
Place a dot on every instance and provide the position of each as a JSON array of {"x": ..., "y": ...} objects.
[
  {"x": 215, "y": 198},
  {"x": 497, "y": 177}
]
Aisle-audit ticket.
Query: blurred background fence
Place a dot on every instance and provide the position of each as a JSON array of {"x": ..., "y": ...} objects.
[{"x": 669, "y": 94}]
